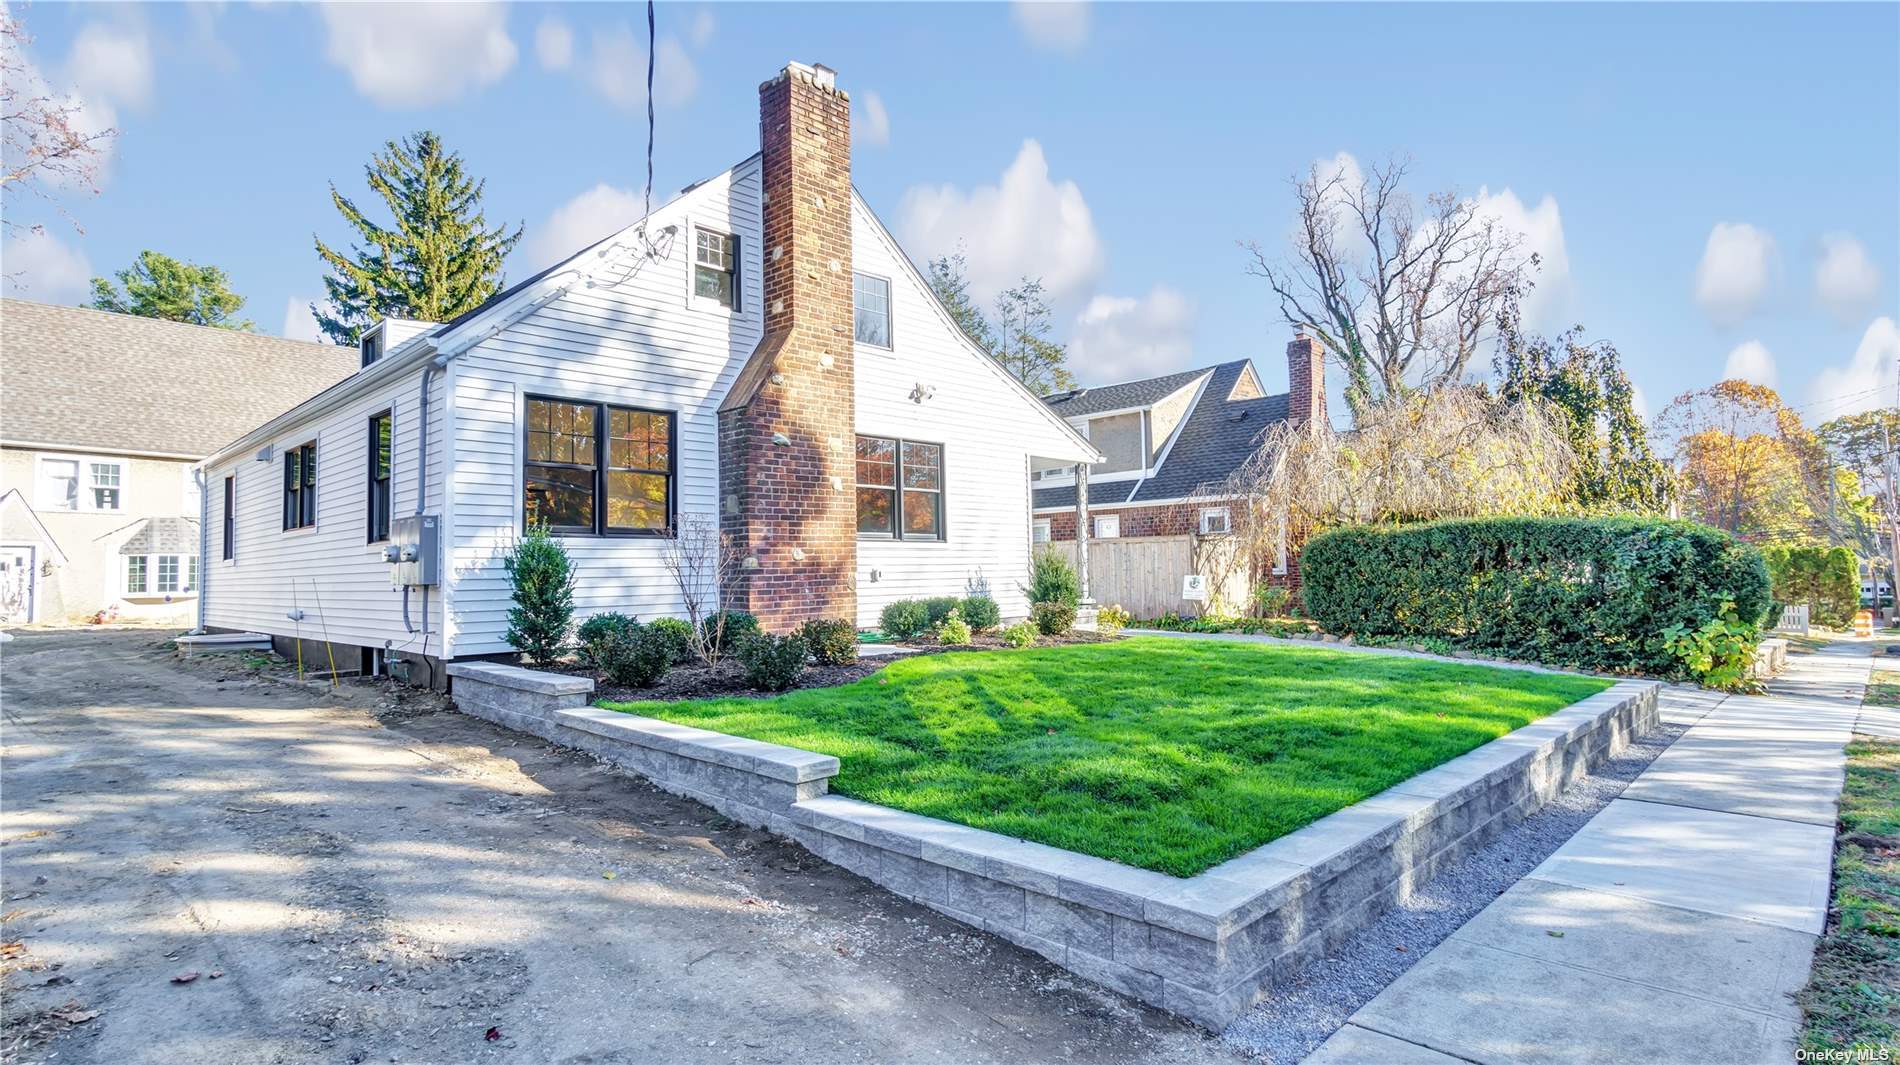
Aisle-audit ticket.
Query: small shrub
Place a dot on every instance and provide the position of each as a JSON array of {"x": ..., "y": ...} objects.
[
  {"x": 635, "y": 656},
  {"x": 981, "y": 612},
  {"x": 1112, "y": 619},
  {"x": 542, "y": 578},
  {"x": 905, "y": 619},
  {"x": 1021, "y": 634},
  {"x": 728, "y": 628},
  {"x": 939, "y": 607},
  {"x": 1271, "y": 599},
  {"x": 1052, "y": 580},
  {"x": 772, "y": 663},
  {"x": 1719, "y": 652},
  {"x": 678, "y": 633},
  {"x": 953, "y": 631},
  {"x": 831, "y": 641},
  {"x": 594, "y": 629},
  {"x": 1053, "y": 619}
]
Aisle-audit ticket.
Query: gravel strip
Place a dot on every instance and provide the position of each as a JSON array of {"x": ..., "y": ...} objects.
[{"x": 1294, "y": 1020}]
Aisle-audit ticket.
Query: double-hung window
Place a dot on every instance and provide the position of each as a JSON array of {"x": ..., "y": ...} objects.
[
  {"x": 598, "y": 469},
  {"x": 300, "y": 487},
  {"x": 230, "y": 518},
  {"x": 716, "y": 268},
  {"x": 103, "y": 482},
  {"x": 871, "y": 310},
  {"x": 168, "y": 573},
  {"x": 137, "y": 578},
  {"x": 378, "y": 476},
  {"x": 59, "y": 484},
  {"x": 900, "y": 489},
  {"x": 1216, "y": 521}
]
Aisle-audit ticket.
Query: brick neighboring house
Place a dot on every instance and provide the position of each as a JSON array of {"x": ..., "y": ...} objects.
[
  {"x": 103, "y": 418},
  {"x": 1169, "y": 443}
]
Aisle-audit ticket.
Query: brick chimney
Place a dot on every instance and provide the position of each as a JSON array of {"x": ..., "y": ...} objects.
[
  {"x": 1306, "y": 379},
  {"x": 787, "y": 436}
]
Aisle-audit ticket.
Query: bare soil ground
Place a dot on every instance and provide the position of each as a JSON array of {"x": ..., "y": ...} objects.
[{"x": 205, "y": 862}]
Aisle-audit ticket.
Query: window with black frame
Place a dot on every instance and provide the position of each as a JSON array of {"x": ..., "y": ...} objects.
[
  {"x": 900, "y": 489},
  {"x": 592, "y": 468},
  {"x": 380, "y": 462},
  {"x": 230, "y": 518},
  {"x": 300, "y": 487}
]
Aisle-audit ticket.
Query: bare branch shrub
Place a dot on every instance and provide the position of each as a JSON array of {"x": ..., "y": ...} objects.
[{"x": 701, "y": 559}]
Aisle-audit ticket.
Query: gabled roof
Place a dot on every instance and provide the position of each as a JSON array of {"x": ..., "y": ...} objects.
[
  {"x": 98, "y": 381},
  {"x": 1080, "y": 401},
  {"x": 1213, "y": 441}
]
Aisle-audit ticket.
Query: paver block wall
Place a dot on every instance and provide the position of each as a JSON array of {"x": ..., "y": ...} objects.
[{"x": 1204, "y": 947}]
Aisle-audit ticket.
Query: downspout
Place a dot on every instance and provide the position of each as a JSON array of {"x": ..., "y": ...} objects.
[{"x": 204, "y": 533}]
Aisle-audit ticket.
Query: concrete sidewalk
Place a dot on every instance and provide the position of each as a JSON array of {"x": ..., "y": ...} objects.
[{"x": 1675, "y": 925}]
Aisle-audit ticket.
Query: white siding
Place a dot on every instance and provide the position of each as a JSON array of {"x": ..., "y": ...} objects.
[
  {"x": 989, "y": 429},
  {"x": 638, "y": 342},
  {"x": 331, "y": 573}
]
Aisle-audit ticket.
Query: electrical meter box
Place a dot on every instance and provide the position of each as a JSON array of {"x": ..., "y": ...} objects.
[{"x": 414, "y": 552}]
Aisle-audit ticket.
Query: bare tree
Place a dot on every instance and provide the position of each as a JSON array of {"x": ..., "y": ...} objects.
[
  {"x": 1401, "y": 294},
  {"x": 45, "y": 147},
  {"x": 701, "y": 560}
]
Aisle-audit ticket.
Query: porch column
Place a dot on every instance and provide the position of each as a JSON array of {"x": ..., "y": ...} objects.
[{"x": 1082, "y": 529}]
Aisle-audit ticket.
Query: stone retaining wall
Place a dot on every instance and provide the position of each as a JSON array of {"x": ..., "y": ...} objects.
[{"x": 1204, "y": 947}]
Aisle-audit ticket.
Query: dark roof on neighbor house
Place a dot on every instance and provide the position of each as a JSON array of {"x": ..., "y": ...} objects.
[
  {"x": 1080, "y": 401},
  {"x": 1213, "y": 441},
  {"x": 98, "y": 381}
]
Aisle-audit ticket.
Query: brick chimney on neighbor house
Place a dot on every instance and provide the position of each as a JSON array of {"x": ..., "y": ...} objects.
[
  {"x": 787, "y": 436},
  {"x": 1306, "y": 379}
]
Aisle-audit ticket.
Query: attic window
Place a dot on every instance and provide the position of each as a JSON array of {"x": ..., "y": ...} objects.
[
  {"x": 372, "y": 345},
  {"x": 715, "y": 269}
]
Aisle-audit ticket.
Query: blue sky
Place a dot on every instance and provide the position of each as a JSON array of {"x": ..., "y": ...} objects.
[{"x": 1715, "y": 188}]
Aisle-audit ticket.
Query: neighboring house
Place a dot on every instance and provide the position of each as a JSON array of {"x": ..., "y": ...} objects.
[
  {"x": 104, "y": 416},
  {"x": 1169, "y": 444},
  {"x": 757, "y": 356}
]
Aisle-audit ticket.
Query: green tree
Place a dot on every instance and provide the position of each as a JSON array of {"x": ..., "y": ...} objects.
[
  {"x": 948, "y": 277},
  {"x": 1825, "y": 578},
  {"x": 1584, "y": 384},
  {"x": 542, "y": 578},
  {"x": 437, "y": 259},
  {"x": 1019, "y": 337},
  {"x": 159, "y": 286}
]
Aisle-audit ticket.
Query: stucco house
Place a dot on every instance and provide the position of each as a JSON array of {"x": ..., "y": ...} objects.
[
  {"x": 756, "y": 355},
  {"x": 103, "y": 418},
  {"x": 1169, "y": 444}
]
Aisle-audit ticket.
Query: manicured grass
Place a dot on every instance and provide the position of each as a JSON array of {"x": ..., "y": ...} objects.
[
  {"x": 1852, "y": 999},
  {"x": 1168, "y": 754}
]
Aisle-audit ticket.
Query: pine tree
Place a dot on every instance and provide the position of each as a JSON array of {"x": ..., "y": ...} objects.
[
  {"x": 438, "y": 258},
  {"x": 159, "y": 286},
  {"x": 947, "y": 277},
  {"x": 1020, "y": 338}
]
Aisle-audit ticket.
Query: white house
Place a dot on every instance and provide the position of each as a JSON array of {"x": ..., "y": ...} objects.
[{"x": 758, "y": 353}]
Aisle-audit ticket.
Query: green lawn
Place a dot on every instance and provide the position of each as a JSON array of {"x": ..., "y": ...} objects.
[
  {"x": 1852, "y": 999},
  {"x": 1168, "y": 754}
]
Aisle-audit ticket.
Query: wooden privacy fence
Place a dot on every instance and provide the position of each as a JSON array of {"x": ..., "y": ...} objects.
[{"x": 1142, "y": 574}]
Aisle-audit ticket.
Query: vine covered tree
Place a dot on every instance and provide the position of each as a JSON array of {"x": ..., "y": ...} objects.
[
  {"x": 159, "y": 286},
  {"x": 1401, "y": 293},
  {"x": 437, "y": 258},
  {"x": 1584, "y": 384}
]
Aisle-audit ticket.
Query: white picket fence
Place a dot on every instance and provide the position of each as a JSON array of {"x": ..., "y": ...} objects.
[
  {"x": 1142, "y": 574},
  {"x": 1793, "y": 619}
]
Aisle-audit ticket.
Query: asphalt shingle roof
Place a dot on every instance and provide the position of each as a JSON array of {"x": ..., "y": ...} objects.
[
  {"x": 1082, "y": 401},
  {"x": 94, "y": 380},
  {"x": 1216, "y": 438}
]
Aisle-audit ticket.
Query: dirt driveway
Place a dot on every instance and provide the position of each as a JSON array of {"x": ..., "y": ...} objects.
[{"x": 352, "y": 882}]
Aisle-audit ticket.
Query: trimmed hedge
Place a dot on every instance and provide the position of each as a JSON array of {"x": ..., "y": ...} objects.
[{"x": 1594, "y": 593}]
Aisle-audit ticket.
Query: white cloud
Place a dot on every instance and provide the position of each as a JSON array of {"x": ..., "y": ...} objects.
[
  {"x": 873, "y": 123},
  {"x": 112, "y": 62},
  {"x": 1846, "y": 279},
  {"x": 299, "y": 323},
  {"x": 1866, "y": 382},
  {"x": 1750, "y": 362},
  {"x": 580, "y": 222},
  {"x": 554, "y": 43},
  {"x": 1737, "y": 265},
  {"x": 39, "y": 266},
  {"x": 1056, "y": 25},
  {"x": 617, "y": 69},
  {"x": 1542, "y": 226},
  {"x": 419, "y": 55},
  {"x": 1122, "y": 338},
  {"x": 1026, "y": 225},
  {"x": 701, "y": 33}
]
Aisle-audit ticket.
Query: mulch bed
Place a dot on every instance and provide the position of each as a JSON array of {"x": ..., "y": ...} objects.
[{"x": 727, "y": 679}]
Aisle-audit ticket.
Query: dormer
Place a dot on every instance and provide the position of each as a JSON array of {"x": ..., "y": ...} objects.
[{"x": 387, "y": 335}]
